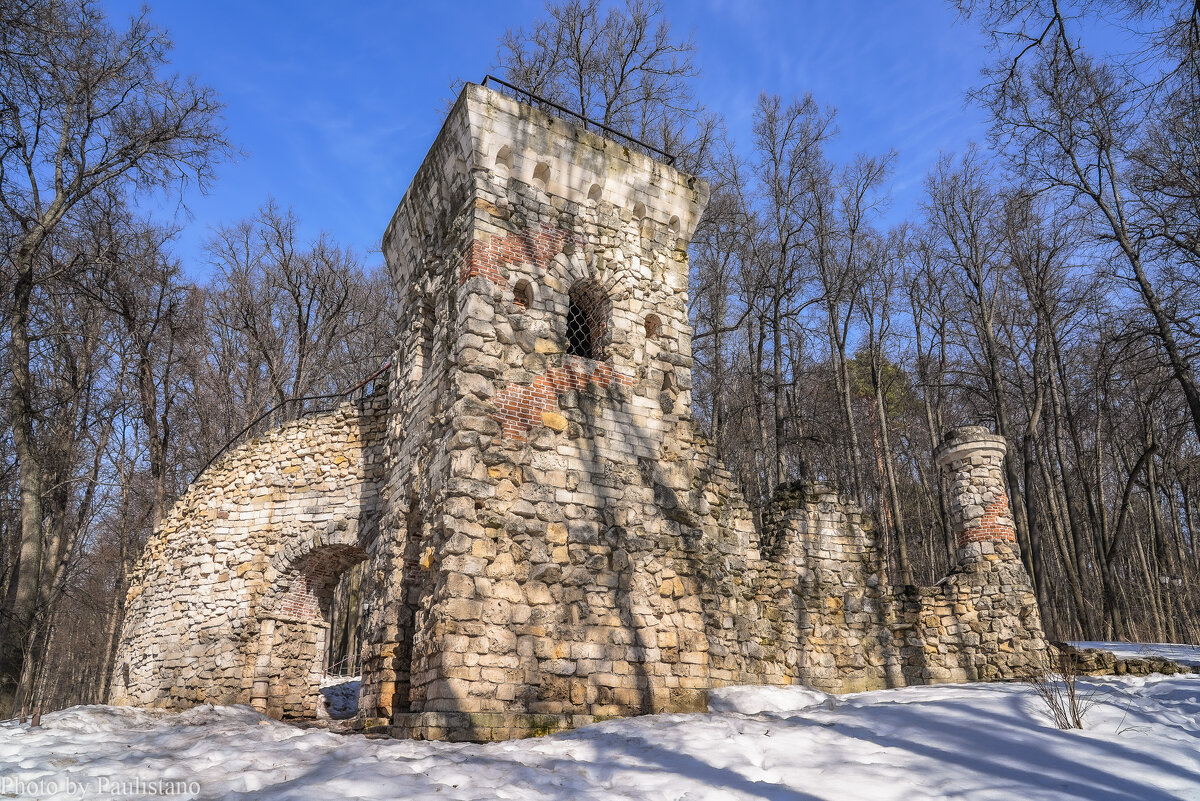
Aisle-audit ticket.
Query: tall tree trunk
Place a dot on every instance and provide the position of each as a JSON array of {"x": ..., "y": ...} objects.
[
  {"x": 777, "y": 465},
  {"x": 837, "y": 346},
  {"x": 20, "y": 608},
  {"x": 902, "y": 561}
]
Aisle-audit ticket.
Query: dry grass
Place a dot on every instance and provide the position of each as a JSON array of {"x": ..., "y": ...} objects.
[{"x": 1056, "y": 682}]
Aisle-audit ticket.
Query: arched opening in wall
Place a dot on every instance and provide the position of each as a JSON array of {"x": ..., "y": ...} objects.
[
  {"x": 504, "y": 161},
  {"x": 653, "y": 326},
  {"x": 541, "y": 175},
  {"x": 427, "y": 328},
  {"x": 308, "y": 662},
  {"x": 587, "y": 320},
  {"x": 412, "y": 614},
  {"x": 343, "y": 657},
  {"x": 594, "y": 193},
  {"x": 424, "y": 394},
  {"x": 523, "y": 295}
]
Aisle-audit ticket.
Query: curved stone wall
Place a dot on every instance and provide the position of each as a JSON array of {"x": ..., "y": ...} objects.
[{"x": 262, "y": 535}]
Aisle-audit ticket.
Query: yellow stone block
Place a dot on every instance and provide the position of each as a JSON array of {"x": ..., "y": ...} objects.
[
  {"x": 505, "y": 471},
  {"x": 554, "y": 420}
]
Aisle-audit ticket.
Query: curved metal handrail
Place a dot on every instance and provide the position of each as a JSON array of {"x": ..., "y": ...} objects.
[{"x": 242, "y": 435}]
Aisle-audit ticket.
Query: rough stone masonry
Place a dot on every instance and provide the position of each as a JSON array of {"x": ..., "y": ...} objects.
[{"x": 549, "y": 538}]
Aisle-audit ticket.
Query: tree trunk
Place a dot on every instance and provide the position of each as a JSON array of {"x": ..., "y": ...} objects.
[
  {"x": 21, "y": 605},
  {"x": 902, "y": 561}
]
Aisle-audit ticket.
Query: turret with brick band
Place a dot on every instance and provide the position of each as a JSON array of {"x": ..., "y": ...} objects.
[{"x": 973, "y": 458}]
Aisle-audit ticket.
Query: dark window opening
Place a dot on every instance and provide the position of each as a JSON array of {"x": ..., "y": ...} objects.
[
  {"x": 587, "y": 320},
  {"x": 653, "y": 326},
  {"x": 523, "y": 295},
  {"x": 579, "y": 332}
]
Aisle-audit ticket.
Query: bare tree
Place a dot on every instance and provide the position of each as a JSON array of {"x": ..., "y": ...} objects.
[
  {"x": 789, "y": 161},
  {"x": 83, "y": 110},
  {"x": 843, "y": 208},
  {"x": 621, "y": 67},
  {"x": 928, "y": 293},
  {"x": 883, "y": 259},
  {"x": 288, "y": 319},
  {"x": 721, "y": 247},
  {"x": 1079, "y": 125}
]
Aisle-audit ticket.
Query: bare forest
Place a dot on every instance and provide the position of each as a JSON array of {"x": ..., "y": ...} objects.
[{"x": 1048, "y": 286}]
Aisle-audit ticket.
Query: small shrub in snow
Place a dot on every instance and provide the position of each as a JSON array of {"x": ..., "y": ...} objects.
[{"x": 1056, "y": 682}]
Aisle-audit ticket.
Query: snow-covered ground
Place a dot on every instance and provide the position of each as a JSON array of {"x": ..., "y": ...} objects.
[
  {"x": 339, "y": 696},
  {"x": 976, "y": 741},
  {"x": 1183, "y": 654}
]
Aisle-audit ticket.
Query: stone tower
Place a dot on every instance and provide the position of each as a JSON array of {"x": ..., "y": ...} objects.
[
  {"x": 546, "y": 362},
  {"x": 547, "y": 537}
]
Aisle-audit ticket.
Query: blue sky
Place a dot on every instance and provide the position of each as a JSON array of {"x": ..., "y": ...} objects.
[{"x": 335, "y": 105}]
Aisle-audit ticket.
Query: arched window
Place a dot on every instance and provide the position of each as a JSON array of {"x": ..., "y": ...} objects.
[
  {"x": 523, "y": 295},
  {"x": 541, "y": 175},
  {"x": 427, "y": 327},
  {"x": 504, "y": 161},
  {"x": 587, "y": 320},
  {"x": 653, "y": 326}
]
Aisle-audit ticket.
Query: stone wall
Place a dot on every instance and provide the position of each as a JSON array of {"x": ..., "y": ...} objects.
[
  {"x": 262, "y": 534},
  {"x": 557, "y": 542}
]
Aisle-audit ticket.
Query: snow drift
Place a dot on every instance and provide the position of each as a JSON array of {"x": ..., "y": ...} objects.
[{"x": 978, "y": 741}]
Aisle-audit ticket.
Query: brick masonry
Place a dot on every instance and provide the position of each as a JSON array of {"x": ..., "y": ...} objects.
[
  {"x": 551, "y": 540},
  {"x": 535, "y": 246},
  {"x": 522, "y": 407}
]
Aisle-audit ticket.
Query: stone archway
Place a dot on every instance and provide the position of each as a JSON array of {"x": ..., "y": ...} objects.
[{"x": 294, "y": 615}]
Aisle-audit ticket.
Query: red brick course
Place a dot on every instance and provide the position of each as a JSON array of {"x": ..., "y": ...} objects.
[
  {"x": 520, "y": 406},
  {"x": 317, "y": 574},
  {"x": 990, "y": 527},
  {"x": 536, "y": 245}
]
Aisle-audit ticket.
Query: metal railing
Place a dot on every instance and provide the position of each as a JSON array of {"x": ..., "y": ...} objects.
[
  {"x": 294, "y": 409},
  {"x": 529, "y": 98},
  {"x": 348, "y": 666}
]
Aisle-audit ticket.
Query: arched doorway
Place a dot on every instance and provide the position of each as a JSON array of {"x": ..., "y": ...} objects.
[{"x": 296, "y": 648}]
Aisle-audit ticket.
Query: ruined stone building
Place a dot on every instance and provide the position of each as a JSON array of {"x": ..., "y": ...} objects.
[{"x": 549, "y": 538}]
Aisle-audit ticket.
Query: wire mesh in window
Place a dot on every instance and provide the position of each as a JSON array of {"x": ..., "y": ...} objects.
[{"x": 579, "y": 332}]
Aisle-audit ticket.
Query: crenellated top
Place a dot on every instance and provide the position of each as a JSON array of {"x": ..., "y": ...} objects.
[{"x": 504, "y": 138}]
